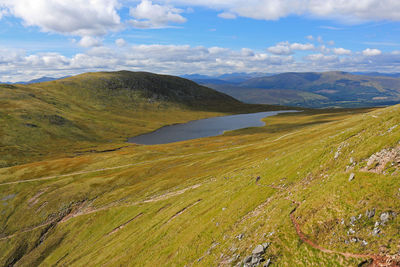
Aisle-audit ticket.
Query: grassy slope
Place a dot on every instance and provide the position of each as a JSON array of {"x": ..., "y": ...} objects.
[
  {"x": 99, "y": 111},
  {"x": 293, "y": 155}
]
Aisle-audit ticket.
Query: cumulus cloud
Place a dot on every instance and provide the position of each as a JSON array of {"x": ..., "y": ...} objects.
[
  {"x": 286, "y": 48},
  {"x": 17, "y": 65},
  {"x": 120, "y": 42},
  {"x": 153, "y": 16},
  {"x": 344, "y": 10},
  {"x": 321, "y": 57},
  {"x": 89, "y": 41},
  {"x": 371, "y": 52},
  {"x": 341, "y": 51},
  {"x": 75, "y": 17}
]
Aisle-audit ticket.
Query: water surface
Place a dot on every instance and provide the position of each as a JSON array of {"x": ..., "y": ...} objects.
[{"x": 203, "y": 128}]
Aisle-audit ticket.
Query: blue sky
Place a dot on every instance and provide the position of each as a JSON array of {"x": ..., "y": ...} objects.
[{"x": 60, "y": 37}]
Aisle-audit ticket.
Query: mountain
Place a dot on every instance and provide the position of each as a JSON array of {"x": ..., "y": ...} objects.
[
  {"x": 313, "y": 188},
  {"x": 228, "y": 78},
  {"x": 327, "y": 89},
  {"x": 42, "y": 119},
  {"x": 41, "y": 79},
  {"x": 393, "y": 75}
]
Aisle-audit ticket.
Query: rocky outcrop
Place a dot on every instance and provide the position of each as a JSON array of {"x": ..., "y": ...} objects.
[{"x": 257, "y": 257}]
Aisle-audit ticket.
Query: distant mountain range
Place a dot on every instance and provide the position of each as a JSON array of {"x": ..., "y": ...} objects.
[
  {"x": 311, "y": 89},
  {"x": 233, "y": 78},
  {"x": 308, "y": 89},
  {"x": 40, "y": 80}
]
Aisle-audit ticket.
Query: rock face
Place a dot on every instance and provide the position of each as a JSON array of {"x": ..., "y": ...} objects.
[{"x": 257, "y": 257}]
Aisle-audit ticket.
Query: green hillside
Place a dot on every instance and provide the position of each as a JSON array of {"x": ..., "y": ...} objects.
[
  {"x": 318, "y": 187},
  {"x": 99, "y": 111},
  {"x": 326, "y": 89}
]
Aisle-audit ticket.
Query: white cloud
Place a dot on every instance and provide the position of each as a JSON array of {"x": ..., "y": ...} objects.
[
  {"x": 280, "y": 49},
  {"x": 286, "y": 48},
  {"x": 371, "y": 52},
  {"x": 89, "y": 41},
  {"x": 120, "y": 42},
  {"x": 76, "y": 17},
  {"x": 227, "y": 15},
  {"x": 341, "y": 51},
  {"x": 153, "y": 16},
  {"x": 344, "y": 10},
  {"x": 321, "y": 57},
  {"x": 3, "y": 12},
  {"x": 303, "y": 47},
  {"x": 17, "y": 65}
]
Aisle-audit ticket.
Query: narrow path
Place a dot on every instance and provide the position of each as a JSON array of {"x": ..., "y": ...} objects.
[
  {"x": 138, "y": 163},
  {"x": 377, "y": 260},
  {"x": 83, "y": 209}
]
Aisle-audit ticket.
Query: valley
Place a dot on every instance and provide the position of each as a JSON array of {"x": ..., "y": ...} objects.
[
  {"x": 210, "y": 201},
  {"x": 312, "y": 89}
]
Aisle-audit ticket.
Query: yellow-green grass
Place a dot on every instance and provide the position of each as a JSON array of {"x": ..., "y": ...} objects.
[
  {"x": 99, "y": 111},
  {"x": 164, "y": 224}
]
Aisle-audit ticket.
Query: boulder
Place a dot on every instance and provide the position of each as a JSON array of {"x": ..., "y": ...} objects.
[
  {"x": 248, "y": 259},
  {"x": 351, "y": 177},
  {"x": 385, "y": 217},
  {"x": 376, "y": 231},
  {"x": 258, "y": 250}
]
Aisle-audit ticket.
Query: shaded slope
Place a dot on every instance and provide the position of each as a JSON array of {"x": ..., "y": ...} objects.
[{"x": 85, "y": 111}]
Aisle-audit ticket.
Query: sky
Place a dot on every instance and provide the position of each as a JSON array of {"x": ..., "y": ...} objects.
[{"x": 65, "y": 37}]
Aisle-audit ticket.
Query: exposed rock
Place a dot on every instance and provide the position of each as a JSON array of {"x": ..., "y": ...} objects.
[
  {"x": 255, "y": 261},
  {"x": 351, "y": 231},
  {"x": 385, "y": 216},
  {"x": 376, "y": 231},
  {"x": 247, "y": 259},
  {"x": 258, "y": 250},
  {"x": 370, "y": 213},
  {"x": 257, "y": 256},
  {"x": 337, "y": 155},
  {"x": 351, "y": 177},
  {"x": 364, "y": 243},
  {"x": 240, "y": 236},
  {"x": 378, "y": 162},
  {"x": 267, "y": 263},
  {"x": 266, "y": 245},
  {"x": 351, "y": 160},
  {"x": 353, "y": 219},
  {"x": 354, "y": 240}
]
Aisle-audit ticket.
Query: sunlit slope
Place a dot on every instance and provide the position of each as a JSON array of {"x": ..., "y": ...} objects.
[
  {"x": 197, "y": 202},
  {"x": 90, "y": 111}
]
